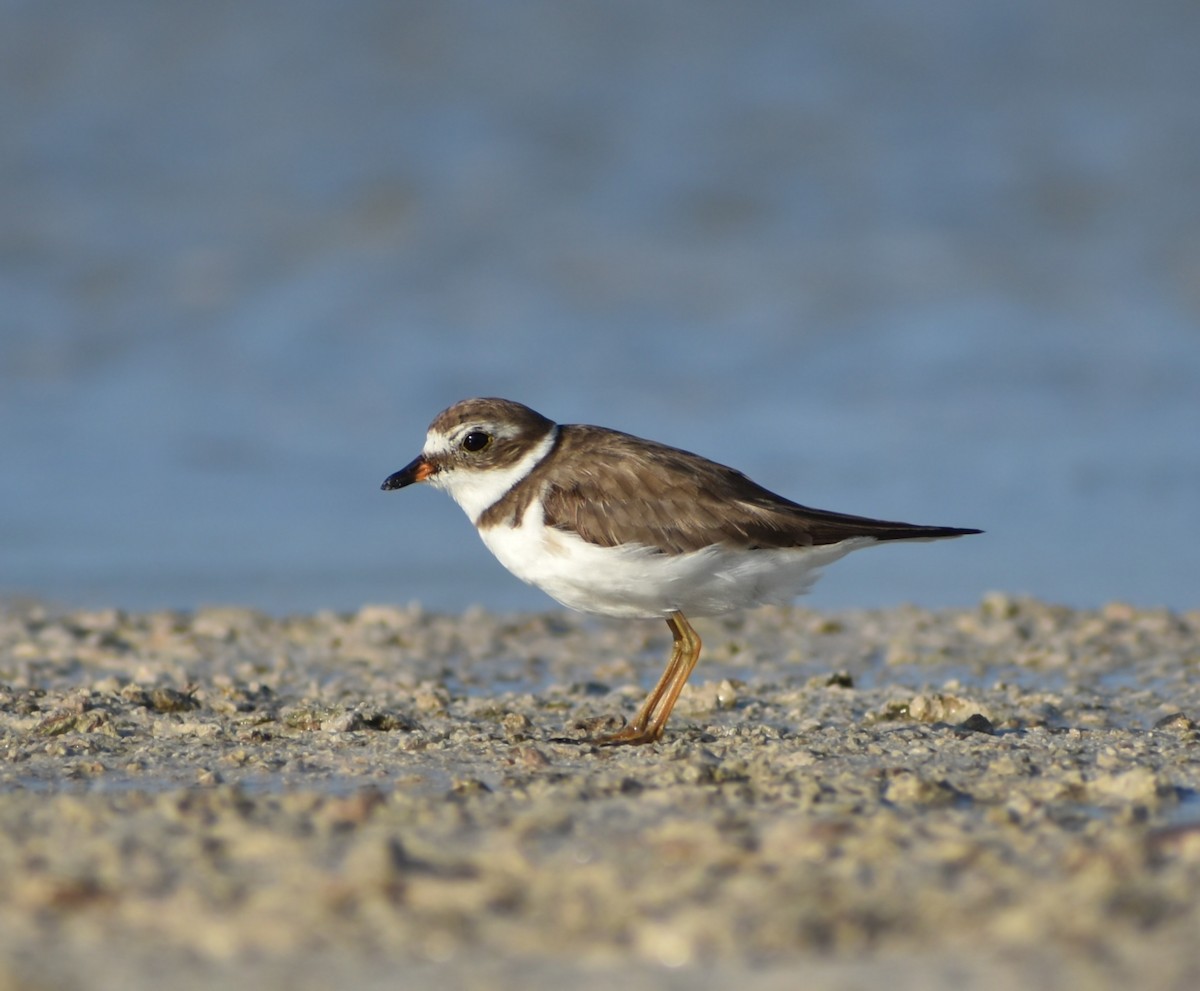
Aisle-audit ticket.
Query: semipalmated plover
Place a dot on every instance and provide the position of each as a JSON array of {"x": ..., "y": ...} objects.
[{"x": 612, "y": 524}]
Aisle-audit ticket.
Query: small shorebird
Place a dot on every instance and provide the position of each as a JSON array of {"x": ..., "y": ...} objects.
[{"x": 612, "y": 524}]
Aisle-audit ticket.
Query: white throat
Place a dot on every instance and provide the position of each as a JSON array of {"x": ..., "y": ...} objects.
[{"x": 477, "y": 489}]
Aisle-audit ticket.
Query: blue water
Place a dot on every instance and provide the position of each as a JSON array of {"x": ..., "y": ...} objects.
[{"x": 936, "y": 261}]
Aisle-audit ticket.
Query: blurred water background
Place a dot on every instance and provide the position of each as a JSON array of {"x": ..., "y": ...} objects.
[{"x": 935, "y": 261}]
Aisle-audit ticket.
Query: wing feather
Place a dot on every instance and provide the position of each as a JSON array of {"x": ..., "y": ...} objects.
[{"x": 622, "y": 489}]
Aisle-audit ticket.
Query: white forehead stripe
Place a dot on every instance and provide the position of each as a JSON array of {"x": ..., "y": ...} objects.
[{"x": 436, "y": 443}]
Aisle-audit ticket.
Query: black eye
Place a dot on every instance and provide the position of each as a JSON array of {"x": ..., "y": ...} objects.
[{"x": 476, "y": 440}]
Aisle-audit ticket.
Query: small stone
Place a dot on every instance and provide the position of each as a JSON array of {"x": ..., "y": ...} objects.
[
  {"x": 711, "y": 696},
  {"x": 939, "y": 708},
  {"x": 906, "y": 787},
  {"x": 169, "y": 700},
  {"x": 978, "y": 723},
  {"x": 997, "y": 605},
  {"x": 531, "y": 757},
  {"x": 347, "y": 722},
  {"x": 1175, "y": 721},
  {"x": 516, "y": 725},
  {"x": 431, "y": 699}
]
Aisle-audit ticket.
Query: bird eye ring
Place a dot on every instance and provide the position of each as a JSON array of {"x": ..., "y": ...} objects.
[{"x": 476, "y": 440}]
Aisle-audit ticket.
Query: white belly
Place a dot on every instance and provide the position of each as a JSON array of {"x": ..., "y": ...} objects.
[{"x": 636, "y": 581}]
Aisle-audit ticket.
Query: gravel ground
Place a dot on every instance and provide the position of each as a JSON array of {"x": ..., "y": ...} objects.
[{"x": 1006, "y": 796}]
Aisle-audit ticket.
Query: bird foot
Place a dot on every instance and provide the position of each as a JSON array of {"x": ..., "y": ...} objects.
[{"x": 632, "y": 735}]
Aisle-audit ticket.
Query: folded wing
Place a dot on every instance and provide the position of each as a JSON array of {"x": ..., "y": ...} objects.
[{"x": 662, "y": 497}]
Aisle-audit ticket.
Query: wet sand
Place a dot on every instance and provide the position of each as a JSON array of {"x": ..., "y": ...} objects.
[{"x": 1004, "y": 796}]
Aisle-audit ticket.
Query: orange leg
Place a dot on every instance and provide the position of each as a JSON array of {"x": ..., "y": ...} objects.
[{"x": 647, "y": 726}]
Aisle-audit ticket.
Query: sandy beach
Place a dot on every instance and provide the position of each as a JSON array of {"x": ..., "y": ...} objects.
[{"x": 1002, "y": 796}]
